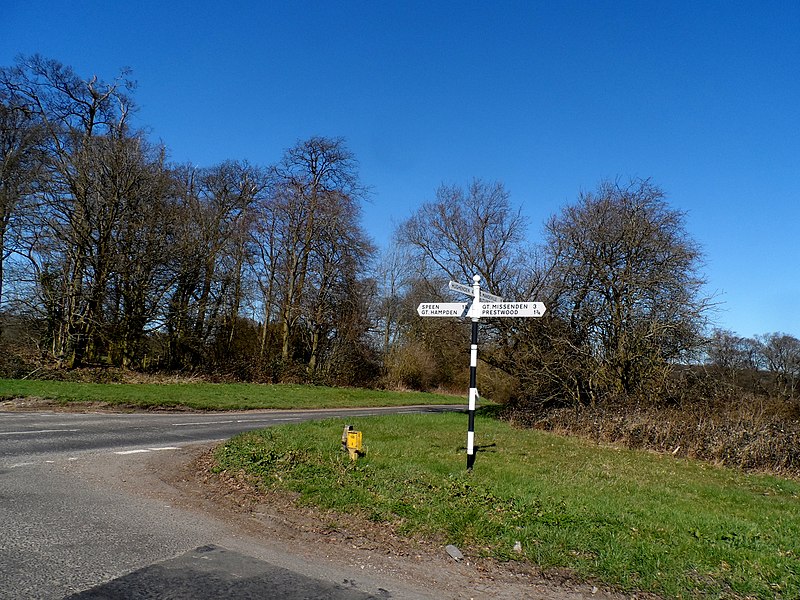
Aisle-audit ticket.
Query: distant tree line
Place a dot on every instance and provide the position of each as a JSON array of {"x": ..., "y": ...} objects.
[
  {"x": 742, "y": 362},
  {"x": 114, "y": 256}
]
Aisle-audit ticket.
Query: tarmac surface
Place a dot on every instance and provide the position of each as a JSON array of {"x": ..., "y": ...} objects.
[{"x": 211, "y": 572}]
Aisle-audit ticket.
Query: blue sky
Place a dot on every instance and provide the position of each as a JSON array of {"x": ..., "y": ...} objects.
[{"x": 549, "y": 98}]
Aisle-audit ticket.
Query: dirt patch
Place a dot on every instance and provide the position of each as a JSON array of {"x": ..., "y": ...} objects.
[
  {"x": 355, "y": 541},
  {"x": 28, "y": 404},
  {"x": 33, "y": 404}
]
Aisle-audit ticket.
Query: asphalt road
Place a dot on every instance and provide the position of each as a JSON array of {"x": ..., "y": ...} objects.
[
  {"x": 36, "y": 436},
  {"x": 78, "y": 519}
]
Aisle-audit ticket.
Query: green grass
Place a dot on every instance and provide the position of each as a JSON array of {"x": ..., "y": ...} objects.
[
  {"x": 210, "y": 396},
  {"x": 637, "y": 521}
]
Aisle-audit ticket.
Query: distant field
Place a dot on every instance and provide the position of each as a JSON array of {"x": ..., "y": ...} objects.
[
  {"x": 635, "y": 520},
  {"x": 211, "y": 396}
]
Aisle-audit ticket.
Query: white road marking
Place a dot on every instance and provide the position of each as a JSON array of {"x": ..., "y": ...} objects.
[
  {"x": 36, "y": 431},
  {"x": 212, "y": 423},
  {"x": 122, "y": 452},
  {"x": 144, "y": 450},
  {"x": 202, "y": 423}
]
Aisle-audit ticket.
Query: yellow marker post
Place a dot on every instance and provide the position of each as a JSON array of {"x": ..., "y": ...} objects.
[{"x": 354, "y": 446}]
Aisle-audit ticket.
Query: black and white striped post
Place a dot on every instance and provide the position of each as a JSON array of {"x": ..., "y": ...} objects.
[
  {"x": 492, "y": 307},
  {"x": 473, "y": 373}
]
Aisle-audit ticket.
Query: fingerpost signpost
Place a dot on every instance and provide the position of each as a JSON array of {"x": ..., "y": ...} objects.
[{"x": 483, "y": 305}]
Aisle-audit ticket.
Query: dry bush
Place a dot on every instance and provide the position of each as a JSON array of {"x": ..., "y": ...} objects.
[
  {"x": 413, "y": 367},
  {"x": 746, "y": 431},
  {"x": 496, "y": 385}
]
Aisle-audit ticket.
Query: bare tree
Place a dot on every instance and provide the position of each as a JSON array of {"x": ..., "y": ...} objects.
[
  {"x": 210, "y": 236},
  {"x": 781, "y": 353},
  {"x": 626, "y": 286},
  {"x": 81, "y": 120},
  {"x": 139, "y": 278},
  {"x": 20, "y": 163},
  {"x": 331, "y": 305},
  {"x": 392, "y": 278},
  {"x": 733, "y": 354},
  {"x": 462, "y": 232},
  {"x": 467, "y": 232},
  {"x": 316, "y": 210}
]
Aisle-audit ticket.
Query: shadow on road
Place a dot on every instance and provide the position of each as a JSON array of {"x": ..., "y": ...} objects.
[{"x": 212, "y": 572}]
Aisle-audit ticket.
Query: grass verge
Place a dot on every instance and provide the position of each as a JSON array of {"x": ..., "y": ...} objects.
[
  {"x": 212, "y": 396},
  {"x": 635, "y": 520}
]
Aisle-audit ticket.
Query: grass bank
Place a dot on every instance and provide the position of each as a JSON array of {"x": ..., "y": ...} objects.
[
  {"x": 213, "y": 396},
  {"x": 635, "y": 520}
]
